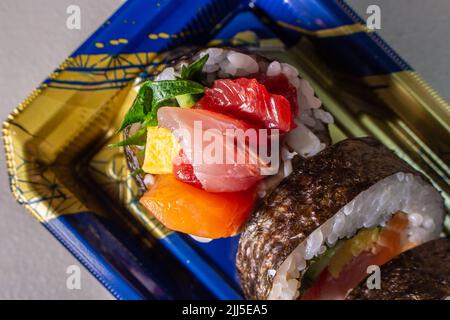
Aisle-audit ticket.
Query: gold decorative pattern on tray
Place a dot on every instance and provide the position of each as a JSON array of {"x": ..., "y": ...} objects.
[
  {"x": 108, "y": 169},
  {"x": 46, "y": 133},
  {"x": 329, "y": 32}
]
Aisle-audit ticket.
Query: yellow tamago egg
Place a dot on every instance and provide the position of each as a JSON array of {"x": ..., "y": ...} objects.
[{"x": 160, "y": 149}]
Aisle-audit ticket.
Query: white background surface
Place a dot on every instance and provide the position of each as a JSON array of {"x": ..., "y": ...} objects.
[{"x": 34, "y": 40}]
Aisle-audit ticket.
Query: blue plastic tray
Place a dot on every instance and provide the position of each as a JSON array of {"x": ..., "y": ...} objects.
[{"x": 116, "y": 247}]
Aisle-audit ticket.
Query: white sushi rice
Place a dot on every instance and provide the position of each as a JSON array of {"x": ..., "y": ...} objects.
[
  {"x": 166, "y": 74},
  {"x": 149, "y": 180},
  {"x": 201, "y": 239},
  {"x": 286, "y": 157},
  {"x": 373, "y": 207}
]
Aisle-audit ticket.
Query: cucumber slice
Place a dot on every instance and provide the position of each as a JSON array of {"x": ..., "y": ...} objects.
[
  {"x": 318, "y": 265},
  {"x": 186, "y": 100}
]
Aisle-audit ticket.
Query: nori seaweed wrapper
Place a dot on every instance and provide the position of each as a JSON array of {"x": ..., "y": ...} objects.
[{"x": 422, "y": 273}]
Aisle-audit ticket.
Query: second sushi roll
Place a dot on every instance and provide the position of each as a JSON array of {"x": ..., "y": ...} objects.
[
  {"x": 422, "y": 273},
  {"x": 353, "y": 205}
]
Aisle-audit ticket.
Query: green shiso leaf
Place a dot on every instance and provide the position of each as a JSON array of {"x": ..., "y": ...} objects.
[
  {"x": 194, "y": 70},
  {"x": 154, "y": 94},
  {"x": 138, "y": 138},
  {"x": 166, "y": 90},
  {"x": 140, "y": 107}
]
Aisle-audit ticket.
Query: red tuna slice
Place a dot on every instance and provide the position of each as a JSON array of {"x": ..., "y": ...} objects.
[
  {"x": 183, "y": 170},
  {"x": 214, "y": 173},
  {"x": 249, "y": 100},
  {"x": 280, "y": 85}
]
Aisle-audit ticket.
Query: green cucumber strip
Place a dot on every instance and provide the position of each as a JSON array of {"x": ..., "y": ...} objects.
[
  {"x": 186, "y": 101},
  {"x": 317, "y": 265}
]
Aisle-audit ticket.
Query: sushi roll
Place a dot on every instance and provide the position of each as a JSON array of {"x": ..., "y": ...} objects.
[
  {"x": 352, "y": 205},
  {"x": 422, "y": 273},
  {"x": 222, "y": 88}
]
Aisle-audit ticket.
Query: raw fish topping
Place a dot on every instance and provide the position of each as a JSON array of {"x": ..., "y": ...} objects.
[
  {"x": 249, "y": 100},
  {"x": 211, "y": 169},
  {"x": 280, "y": 85}
]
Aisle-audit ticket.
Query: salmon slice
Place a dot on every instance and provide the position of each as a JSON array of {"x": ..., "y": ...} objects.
[{"x": 184, "y": 208}]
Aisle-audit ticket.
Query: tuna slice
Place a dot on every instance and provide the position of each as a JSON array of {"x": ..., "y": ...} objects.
[
  {"x": 206, "y": 152},
  {"x": 280, "y": 85},
  {"x": 250, "y": 101}
]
